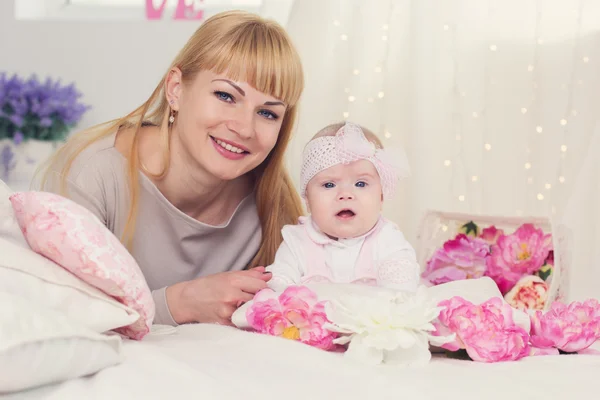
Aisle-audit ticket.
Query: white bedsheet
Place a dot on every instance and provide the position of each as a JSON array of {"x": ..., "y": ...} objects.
[{"x": 215, "y": 362}]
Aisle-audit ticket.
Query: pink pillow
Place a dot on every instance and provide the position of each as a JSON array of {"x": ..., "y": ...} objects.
[{"x": 74, "y": 238}]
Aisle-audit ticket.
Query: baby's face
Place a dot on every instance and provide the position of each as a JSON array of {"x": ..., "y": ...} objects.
[{"x": 345, "y": 200}]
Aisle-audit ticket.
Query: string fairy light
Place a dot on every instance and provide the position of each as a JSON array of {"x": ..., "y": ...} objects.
[
  {"x": 488, "y": 81},
  {"x": 536, "y": 127},
  {"x": 576, "y": 59},
  {"x": 381, "y": 68},
  {"x": 532, "y": 112},
  {"x": 457, "y": 129}
]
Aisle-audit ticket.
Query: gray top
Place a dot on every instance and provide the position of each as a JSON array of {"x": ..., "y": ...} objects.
[{"x": 168, "y": 245}]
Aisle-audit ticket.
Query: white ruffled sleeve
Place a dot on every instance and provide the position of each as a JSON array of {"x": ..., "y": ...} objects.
[{"x": 396, "y": 264}]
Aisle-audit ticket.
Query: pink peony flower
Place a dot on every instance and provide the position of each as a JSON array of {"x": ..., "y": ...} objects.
[
  {"x": 530, "y": 292},
  {"x": 521, "y": 253},
  {"x": 508, "y": 344},
  {"x": 460, "y": 258},
  {"x": 491, "y": 234},
  {"x": 458, "y": 315},
  {"x": 294, "y": 314},
  {"x": 571, "y": 328},
  {"x": 487, "y": 331}
]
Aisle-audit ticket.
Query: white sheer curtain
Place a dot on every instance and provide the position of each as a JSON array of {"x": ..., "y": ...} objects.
[
  {"x": 582, "y": 218},
  {"x": 495, "y": 101}
]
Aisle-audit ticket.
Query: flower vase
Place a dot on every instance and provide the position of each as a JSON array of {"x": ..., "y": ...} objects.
[
  {"x": 527, "y": 257},
  {"x": 20, "y": 161}
]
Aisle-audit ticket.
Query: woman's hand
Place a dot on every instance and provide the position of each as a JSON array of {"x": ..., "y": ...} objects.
[{"x": 214, "y": 298}]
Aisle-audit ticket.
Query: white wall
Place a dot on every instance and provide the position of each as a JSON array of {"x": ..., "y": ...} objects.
[
  {"x": 421, "y": 61},
  {"x": 100, "y": 57}
]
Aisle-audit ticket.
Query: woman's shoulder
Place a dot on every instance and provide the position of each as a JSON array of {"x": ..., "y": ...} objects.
[
  {"x": 106, "y": 155},
  {"x": 82, "y": 164},
  {"x": 99, "y": 157}
]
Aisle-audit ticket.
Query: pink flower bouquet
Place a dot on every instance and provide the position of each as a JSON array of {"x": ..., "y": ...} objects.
[
  {"x": 294, "y": 314},
  {"x": 520, "y": 262},
  {"x": 487, "y": 331}
]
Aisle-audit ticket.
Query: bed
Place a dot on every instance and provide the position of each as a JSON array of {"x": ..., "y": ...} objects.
[
  {"x": 203, "y": 361},
  {"x": 218, "y": 362}
]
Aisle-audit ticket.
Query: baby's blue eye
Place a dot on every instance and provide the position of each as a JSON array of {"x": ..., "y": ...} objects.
[
  {"x": 328, "y": 185},
  {"x": 361, "y": 184}
]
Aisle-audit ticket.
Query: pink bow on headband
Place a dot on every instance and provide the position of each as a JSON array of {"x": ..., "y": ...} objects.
[{"x": 348, "y": 145}]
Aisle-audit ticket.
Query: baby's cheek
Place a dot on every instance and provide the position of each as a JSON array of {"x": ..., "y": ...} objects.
[{"x": 319, "y": 211}]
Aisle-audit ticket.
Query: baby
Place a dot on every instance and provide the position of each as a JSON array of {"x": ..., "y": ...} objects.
[{"x": 345, "y": 178}]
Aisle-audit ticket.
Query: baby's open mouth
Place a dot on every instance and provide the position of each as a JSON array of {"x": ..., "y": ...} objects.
[{"x": 346, "y": 214}]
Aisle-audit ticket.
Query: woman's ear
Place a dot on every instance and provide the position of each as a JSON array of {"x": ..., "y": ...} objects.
[{"x": 173, "y": 88}]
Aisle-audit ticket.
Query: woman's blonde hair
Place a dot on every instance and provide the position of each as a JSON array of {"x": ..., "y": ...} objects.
[{"x": 248, "y": 48}]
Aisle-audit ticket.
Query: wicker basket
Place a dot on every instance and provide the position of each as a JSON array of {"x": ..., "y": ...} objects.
[{"x": 437, "y": 227}]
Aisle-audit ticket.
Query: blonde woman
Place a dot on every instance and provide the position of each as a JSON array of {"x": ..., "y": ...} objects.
[{"x": 193, "y": 181}]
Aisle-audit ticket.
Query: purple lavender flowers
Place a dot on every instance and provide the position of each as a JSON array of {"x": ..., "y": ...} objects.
[{"x": 31, "y": 109}]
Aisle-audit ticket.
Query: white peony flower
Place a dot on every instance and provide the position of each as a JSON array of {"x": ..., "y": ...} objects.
[{"x": 391, "y": 328}]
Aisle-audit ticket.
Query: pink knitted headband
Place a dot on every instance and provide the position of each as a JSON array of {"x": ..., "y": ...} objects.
[{"x": 348, "y": 145}]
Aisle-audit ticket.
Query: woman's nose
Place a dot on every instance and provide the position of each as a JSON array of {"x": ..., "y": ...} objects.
[{"x": 242, "y": 124}]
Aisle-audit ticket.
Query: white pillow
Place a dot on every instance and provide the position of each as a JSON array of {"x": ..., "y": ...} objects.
[
  {"x": 39, "y": 346},
  {"x": 27, "y": 274},
  {"x": 9, "y": 228}
]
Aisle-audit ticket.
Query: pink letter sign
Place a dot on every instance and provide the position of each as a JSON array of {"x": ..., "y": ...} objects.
[{"x": 183, "y": 10}]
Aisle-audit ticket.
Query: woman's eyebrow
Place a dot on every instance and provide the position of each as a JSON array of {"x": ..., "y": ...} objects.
[
  {"x": 274, "y": 103},
  {"x": 239, "y": 89}
]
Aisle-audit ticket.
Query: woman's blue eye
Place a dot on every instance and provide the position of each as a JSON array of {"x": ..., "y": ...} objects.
[
  {"x": 268, "y": 114},
  {"x": 361, "y": 184},
  {"x": 224, "y": 96},
  {"x": 328, "y": 185}
]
